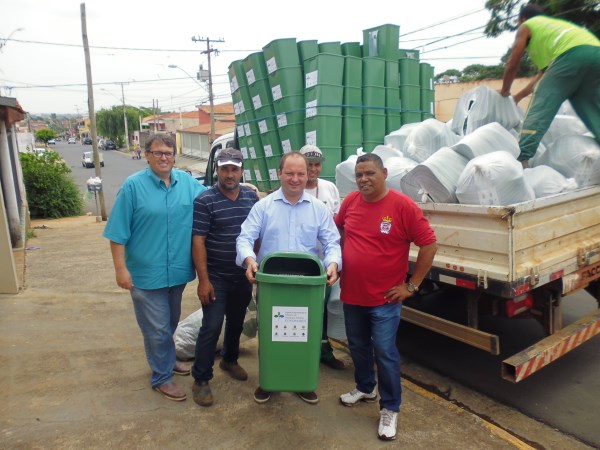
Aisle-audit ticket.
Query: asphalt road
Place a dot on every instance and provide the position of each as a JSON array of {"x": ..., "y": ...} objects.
[{"x": 565, "y": 394}]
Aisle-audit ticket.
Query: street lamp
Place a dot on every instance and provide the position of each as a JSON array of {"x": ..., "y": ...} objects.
[{"x": 210, "y": 97}]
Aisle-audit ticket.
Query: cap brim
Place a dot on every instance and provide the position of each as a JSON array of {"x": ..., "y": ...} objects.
[{"x": 229, "y": 162}]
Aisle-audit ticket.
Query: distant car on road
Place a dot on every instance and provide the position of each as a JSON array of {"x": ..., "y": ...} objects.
[
  {"x": 87, "y": 159},
  {"x": 72, "y": 140},
  {"x": 109, "y": 145},
  {"x": 51, "y": 142},
  {"x": 87, "y": 141}
]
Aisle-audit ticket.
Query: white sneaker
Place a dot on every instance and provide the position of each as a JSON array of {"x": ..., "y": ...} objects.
[
  {"x": 354, "y": 396},
  {"x": 387, "y": 425}
]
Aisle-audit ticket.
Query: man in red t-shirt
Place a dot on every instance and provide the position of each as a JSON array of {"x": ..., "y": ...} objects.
[{"x": 377, "y": 226}]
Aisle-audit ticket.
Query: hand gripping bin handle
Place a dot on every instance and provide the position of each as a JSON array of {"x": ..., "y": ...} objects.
[{"x": 291, "y": 293}]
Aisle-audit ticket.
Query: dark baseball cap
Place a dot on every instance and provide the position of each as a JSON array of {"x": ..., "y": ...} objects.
[{"x": 230, "y": 156}]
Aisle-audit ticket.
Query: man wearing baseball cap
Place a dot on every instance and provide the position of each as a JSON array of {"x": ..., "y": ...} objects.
[
  {"x": 328, "y": 193},
  {"x": 223, "y": 288}
]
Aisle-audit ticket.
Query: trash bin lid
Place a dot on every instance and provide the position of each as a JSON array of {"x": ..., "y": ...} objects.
[{"x": 292, "y": 264}]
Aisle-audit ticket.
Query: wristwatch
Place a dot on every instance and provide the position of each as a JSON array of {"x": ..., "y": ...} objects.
[{"x": 412, "y": 288}]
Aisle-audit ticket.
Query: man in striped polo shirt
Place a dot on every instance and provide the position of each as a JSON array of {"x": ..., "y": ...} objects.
[{"x": 223, "y": 288}]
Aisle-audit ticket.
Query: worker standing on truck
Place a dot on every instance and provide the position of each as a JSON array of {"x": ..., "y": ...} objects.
[
  {"x": 289, "y": 219},
  {"x": 568, "y": 57},
  {"x": 328, "y": 193},
  {"x": 378, "y": 225}
]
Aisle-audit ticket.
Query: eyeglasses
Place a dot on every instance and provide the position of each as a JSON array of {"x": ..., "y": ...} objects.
[{"x": 167, "y": 155}]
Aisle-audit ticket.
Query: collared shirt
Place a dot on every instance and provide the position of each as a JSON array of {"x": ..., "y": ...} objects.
[
  {"x": 281, "y": 226},
  {"x": 154, "y": 223},
  {"x": 219, "y": 219}
]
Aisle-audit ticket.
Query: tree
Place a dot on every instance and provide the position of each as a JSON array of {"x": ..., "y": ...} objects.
[
  {"x": 504, "y": 14},
  {"x": 450, "y": 73},
  {"x": 110, "y": 122},
  {"x": 44, "y": 135},
  {"x": 51, "y": 190}
]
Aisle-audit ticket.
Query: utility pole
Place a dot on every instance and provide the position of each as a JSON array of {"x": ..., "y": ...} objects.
[
  {"x": 125, "y": 118},
  {"x": 90, "y": 87},
  {"x": 208, "y": 51}
]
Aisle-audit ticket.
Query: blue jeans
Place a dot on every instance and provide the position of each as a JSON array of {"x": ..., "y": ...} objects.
[
  {"x": 371, "y": 333},
  {"x": 232, "y": 299},
  {"x": 157, "y": 312}
]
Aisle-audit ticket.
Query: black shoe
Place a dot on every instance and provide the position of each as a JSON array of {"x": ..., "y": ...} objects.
[
  {"x": 202, "y": 393},
  {"x": 235, "y": 370},
  {"x": 334, "y": 363},
  {"x": 261, "y": 396},
  {"x": 309, "y": 397}
]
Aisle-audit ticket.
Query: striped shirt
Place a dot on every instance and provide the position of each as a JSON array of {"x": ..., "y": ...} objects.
[{"x": 220, "y": 219}]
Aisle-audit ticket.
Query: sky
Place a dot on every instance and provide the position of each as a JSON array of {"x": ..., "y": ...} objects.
[{"x": 133, "y": 43}]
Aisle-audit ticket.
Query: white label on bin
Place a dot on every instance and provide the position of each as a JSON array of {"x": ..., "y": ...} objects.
[
  {"x": 236, "y": 111},
  {"x": 241, "y": 108},
  {"x": 290, "y": 324},
  {"x": 240, "y": 130},
  {"x": 247, "y": 175},
  {"x": 268, "y": 150},
  {"x": 256, "y": 101},
  {"x": 311, "y": 137},
  {"x": 311, "y": 78},
  {"x": 311, "y": 109},
  {"x": 257, "y": 174},
  {"x": 263, "y": 127},
  {"x": 373, "y": 43},
  {"x": 281, "y": 120},
  {"x": 287, "y": 146},
  {"x": 250, "y": 76},
  {"x": 271, "y": 65},
  {"x": 234, "y": 85},
  {"x": 244, "y": 151},
  {"x": 247, "y": 129},
  {"x": 252, "y": 153},
  {"x": 273, "y": 174},
  {"x": 276, "y": 91}
]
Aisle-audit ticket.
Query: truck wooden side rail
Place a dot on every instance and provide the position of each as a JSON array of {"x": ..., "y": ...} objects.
[{"x": 517, "y": 259}]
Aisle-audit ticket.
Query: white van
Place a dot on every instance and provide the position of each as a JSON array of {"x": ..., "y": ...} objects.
[
  {"x": 87, "y": 159},
  {"x": 227, "y": 140}
]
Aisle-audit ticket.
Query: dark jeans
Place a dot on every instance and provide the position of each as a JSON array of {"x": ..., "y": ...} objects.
[
  {"x": 232, "y": 299},
  {"x": 371, "y": 333}
]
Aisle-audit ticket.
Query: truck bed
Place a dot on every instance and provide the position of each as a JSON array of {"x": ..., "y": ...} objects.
[{"x": 506, "y": 250}]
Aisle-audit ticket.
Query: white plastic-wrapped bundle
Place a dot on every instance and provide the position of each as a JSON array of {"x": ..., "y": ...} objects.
[
  {"x": 545, "y": 181},
  {"x": 488, "y": 138},
  {"x": 534, "y": 160},
  {"x": 397, "y": 167},
  {"x": 386, "y": 151},
  {"x": 493, "y": 179},
  {"x": 434, "y": 180},
  {"x": 574, "y": 156},
  {"x": 396, "y": 138},
  {"x": 344, "y": 176},
  {"x": 562, "y": 125},
  {"x": 336, "y": 327},
  {"x": 427, "y": 138},
  {"x": 483, "y": 105}
]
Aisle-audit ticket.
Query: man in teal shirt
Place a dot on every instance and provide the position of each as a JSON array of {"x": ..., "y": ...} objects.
[
  {"x": 568, "y": 57},
  {"x": 150, "y": 233}
]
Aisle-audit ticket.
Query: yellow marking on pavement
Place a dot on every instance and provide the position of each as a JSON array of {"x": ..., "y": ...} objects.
[{"x": 494, "y": 429}]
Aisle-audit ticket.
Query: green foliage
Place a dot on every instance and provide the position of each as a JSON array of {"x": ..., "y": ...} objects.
[
  {"x": 51, "y": 190},
  {"x": 504, "y": 14},
  {"x": 44, "y": 135},
  {"x": 110, "y": 122}
]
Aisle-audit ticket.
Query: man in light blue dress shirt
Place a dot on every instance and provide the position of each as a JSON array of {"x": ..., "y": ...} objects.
[{"x": 289, "y": 220}]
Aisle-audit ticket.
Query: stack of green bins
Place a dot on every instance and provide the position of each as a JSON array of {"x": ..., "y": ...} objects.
[
  {"x": 352, "y": 135},
  {"x": 287, "y": 88},
  {"x": 427, "y": 91},
  {"x": 324, "y": 94},
  {"x": 410, "y": 88},
  {"x": 373, "y": 95},
  {"x": 262, "y": 100},
  {"x": 334, "y": 48},
  {"x": 257, "y": 164},
  {"x": 392, "y": 97},
  {"x": 382, "y": 42}
]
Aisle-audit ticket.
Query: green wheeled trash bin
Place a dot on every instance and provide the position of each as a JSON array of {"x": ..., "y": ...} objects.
[{"x": 290, "y": 294}]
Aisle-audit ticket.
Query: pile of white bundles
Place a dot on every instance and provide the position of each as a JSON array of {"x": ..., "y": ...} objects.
[{"x": 473, "y": 158}]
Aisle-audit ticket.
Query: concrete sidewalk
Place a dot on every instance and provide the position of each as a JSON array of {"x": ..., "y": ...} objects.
[{"x": 75, "y": 376}]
